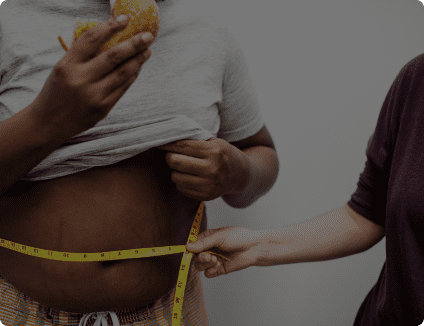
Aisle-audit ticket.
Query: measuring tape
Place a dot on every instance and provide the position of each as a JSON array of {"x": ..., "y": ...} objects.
[{"x": 128, "y": 254}]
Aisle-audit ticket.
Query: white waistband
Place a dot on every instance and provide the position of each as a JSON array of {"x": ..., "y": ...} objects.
[{"x": 100, "y": 317}]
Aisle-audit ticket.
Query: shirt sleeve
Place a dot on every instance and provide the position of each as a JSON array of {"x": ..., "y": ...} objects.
[
  {"x": 239, "y": 109},
  {"x": 370, "y": 197}
]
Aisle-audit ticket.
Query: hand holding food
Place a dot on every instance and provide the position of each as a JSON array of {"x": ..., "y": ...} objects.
[
  {"x": 143, "y": 16},
  {"x": 84, "y": 85}
]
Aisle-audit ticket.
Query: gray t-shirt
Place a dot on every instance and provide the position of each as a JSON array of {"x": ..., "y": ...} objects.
[{"x": 196, "y": 85}]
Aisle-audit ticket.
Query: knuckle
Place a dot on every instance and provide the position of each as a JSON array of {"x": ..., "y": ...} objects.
[
  {"x": 111, "y": 23},
  {"x": 123, "y": 74},
  {"x": 214, "y": 172},
  {"x": 216, "y": 150},
  {"x": 64, "y": 77},
  {"x": 168, "y": 159},
  {"x": 135, "y": 44},
  {"x": 60, "y": 72},
  {"x": 147, "y": 54},
  {"x": 114, "y": 56},
  {"x": 93, "y": 96},
  {"x": 222, "y": 157},
  {"x": 61, "y": 65},
  {"x": 94, "y": 104},
  {"x": 64, "y": 68},
  {"x": 91, "y": 36},
  {"x": 181, "y": 144},
  {"x": 219, "y": 158},
  {"x": 208, "y": 232},
  {"x": 172, "y": 161}
]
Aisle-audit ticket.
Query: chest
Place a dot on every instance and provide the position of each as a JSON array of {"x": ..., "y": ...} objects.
[{"x": 183, "y": 76}]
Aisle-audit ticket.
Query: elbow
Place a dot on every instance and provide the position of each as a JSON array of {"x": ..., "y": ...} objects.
[{"x": 238, "y": 202}]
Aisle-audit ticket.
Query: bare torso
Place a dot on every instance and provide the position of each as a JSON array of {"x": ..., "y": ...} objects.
[{"x": 131, "y": 204}]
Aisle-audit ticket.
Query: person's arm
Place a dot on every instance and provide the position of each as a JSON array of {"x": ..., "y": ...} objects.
[
  {"x": 66, "y": 105},
  {"x": 24, "y": 143},
  {"x": 263, "y": 169},
  {"x": 339, "y": 233}
]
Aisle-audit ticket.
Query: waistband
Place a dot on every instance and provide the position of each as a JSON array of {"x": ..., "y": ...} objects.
[{"x": 20, "y": 310}]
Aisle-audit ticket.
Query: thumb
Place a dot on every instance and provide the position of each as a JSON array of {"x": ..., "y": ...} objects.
[{"x": 206, "y": 240}]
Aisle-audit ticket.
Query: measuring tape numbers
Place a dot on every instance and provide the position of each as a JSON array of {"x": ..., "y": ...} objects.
[{"x": 128, "y": 254}]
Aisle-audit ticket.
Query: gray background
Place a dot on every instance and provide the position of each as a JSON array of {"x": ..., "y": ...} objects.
[{"x": 321, "y": 69}]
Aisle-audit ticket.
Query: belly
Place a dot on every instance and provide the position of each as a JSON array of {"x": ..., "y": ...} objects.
[{"x": 131, "y": 204}]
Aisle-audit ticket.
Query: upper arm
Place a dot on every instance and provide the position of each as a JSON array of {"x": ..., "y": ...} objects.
[
  {"x": 374, "y": 232},
  {"x": 261, "y": 138}
]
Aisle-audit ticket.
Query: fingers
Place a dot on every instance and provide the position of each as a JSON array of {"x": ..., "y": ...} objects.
[
  {"x": 208, "y": 263},
  {"x": 115, "y": 82},
  {"x": 214, "y": 253},
  {"x": 116, "y": 56},
  {"x": 204, "y": 260},
  {"x": 93, "y": 39}
]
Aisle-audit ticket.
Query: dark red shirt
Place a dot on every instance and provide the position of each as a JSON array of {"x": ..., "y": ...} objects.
[{"x": 391, "y": 193}]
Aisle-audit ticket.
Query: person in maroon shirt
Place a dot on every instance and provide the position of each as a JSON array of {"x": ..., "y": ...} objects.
[{"x": 388, "y": 202}]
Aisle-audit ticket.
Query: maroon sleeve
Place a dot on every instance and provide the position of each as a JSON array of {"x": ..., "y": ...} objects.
[{"x": 370, "y": 197}]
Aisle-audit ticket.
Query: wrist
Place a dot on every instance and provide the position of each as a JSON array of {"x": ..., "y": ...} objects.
[
  {"x": 270, "y": 248},
  {"x": 259, "y": 252},
  {"x": 50, "y": 128},
  {"x": 257, "y": 241}
]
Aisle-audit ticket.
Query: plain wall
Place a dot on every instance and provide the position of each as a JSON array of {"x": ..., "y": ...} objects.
[{"x": 321, "y": 69}]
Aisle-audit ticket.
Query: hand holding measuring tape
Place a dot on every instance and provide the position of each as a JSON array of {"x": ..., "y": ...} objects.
[{"x": 243, "y": 246}]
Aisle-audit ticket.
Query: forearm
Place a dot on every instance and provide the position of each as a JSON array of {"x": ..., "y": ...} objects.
[
  {"x": 262, "y": 173},
  {"x": 328, "y": 236},
  {"x": 23, "y": 144}
]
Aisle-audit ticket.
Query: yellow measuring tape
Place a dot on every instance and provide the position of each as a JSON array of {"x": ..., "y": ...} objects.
[{"x": 128, "y": 254}]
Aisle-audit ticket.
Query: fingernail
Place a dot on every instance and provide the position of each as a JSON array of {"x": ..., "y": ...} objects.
[
  {"x": 146, "y": 54},
  {"x": 147, "y": 38},
  {"x": 122, "y": 18}
]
